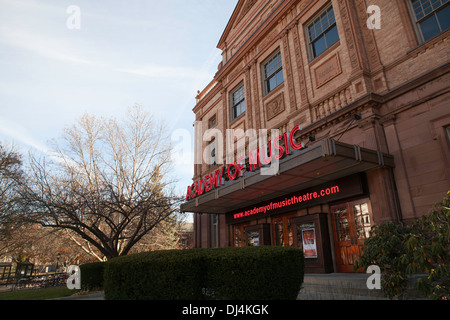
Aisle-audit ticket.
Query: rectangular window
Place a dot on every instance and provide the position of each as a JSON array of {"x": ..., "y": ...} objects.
[
  {"x": 273, "y": 73},
  {"x": 238, "y": 102},
  {"x": 212, "y": 161},
  {"x": 279, "y": 236},
  {"x": 432, "y": 17},
  {"x": 212, "y": 122},
  {"x": 214, "y": 231},
  {"x": 322, "y": 32},
  {"x": 283, "y": 231},
  {"x": 237, "y": 236}
]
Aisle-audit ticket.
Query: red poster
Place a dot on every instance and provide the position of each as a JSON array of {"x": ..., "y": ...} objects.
[{"x": 309, "y": 243}]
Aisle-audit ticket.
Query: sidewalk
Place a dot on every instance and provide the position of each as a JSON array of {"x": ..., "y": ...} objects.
[
  {"x": 346, "y": 286},
  {"x": 93, "y": 296}
]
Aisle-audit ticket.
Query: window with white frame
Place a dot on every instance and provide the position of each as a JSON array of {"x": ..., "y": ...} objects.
[
  {"x": 322, "y": 32},
  {"x": 431, "y": 17},
  {"x": 237, "y": 102},
  {"x": 273, "y": 73}
]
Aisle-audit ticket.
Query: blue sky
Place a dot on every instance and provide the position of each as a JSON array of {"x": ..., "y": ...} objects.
[{"x": 154, "y": 53}]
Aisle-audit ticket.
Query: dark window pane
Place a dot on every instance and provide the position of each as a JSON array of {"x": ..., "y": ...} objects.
[
  {"x": 271, "y": 71},
  {"x": 427, "y": 8},
  {"x": 321, "y": 24},
  {"x": 430, "y": 28},
  {"x": 238, "y": 102},
  {"x": 417, "y": 7},
  {"x": 272, "y": 83},
  {"x": 242, "y": 108},
  {"x": 435, "y": 4},
  {"x": 331, "y": 17},
  {"x": 332, "y": 36},
  {"x": 238, "y": 109},
  {"x": 238, "y": 95},
  {"x": 323, "y": 32},
  {"x": 319, "y": 46},
  {"x": 444, "y": 18},
  {"x": 280, "y": 78},
  {"x": 312, "y": 33},
  {"x": 423, "y": 8},
  {"x": 273, "y": 65}
]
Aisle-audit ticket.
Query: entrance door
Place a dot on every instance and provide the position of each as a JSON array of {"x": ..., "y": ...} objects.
[
  {"x": 283, "y": 233},
  {"x": 352, "y": 222}
]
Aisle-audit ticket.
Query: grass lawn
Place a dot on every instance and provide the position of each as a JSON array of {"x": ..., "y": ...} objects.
[{"x": 38, "y": 294}]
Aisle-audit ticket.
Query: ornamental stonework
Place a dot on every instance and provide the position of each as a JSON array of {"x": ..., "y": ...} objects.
[
  {"x": 327, "y": 70},
  {"x": 275, "y": 106}
]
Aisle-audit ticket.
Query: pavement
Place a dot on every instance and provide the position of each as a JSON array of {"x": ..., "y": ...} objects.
[{"x": 92, "y": 296}]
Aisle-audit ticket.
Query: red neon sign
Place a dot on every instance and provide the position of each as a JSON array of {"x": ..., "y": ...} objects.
[{"x": 256, "y": 160}]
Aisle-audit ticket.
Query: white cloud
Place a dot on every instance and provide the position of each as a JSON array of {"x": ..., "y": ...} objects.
[
  {"x": 43, "y": 46},
  {"x": 58, "y": 49},
  {"x": 155, "y": 71},
  {"x": 17, "y": 132}
]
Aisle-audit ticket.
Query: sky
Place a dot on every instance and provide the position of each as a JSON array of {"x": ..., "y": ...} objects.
[{"x": 60, "y": 59}]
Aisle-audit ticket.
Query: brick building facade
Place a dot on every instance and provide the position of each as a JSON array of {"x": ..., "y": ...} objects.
[{"x": 363, "y": 120}]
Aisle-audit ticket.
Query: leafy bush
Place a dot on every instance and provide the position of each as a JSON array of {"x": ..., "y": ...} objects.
[
  {"x": 422, "y": 247},
  {"x": 428, "y": 250},
  {"x": 261, "y": 273},
  {"x": 383, "y": 249},
  {"x": 92, "y": 276},
  {"x": 225, "y": 273}
]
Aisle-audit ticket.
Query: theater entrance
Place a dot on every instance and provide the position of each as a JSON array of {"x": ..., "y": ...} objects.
[{"x": 352, "y": 222}]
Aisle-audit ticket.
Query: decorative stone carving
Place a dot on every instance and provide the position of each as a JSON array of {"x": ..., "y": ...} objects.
[
  {"x": 275, "y": 106},
  {"x": 289, "y": 73},
  {"x": 249, "y": 99},
  {"x": 327, "y": 70},
  {"x": 300, "y": 66},
  {"x": 332, "y": 104},
  {"x": 351, "y": 44},
  {"x": 267, "y": 39},
  {"x": 247, "y": 6}
]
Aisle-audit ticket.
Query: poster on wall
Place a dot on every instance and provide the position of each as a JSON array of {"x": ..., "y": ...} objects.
[
  {"x": 253, "y": 239},
  {"x": 309, "y": 243}
]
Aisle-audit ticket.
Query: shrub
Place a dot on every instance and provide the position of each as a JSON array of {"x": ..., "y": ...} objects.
[
  {"x": 428, "y": 250},
  {"x": 422, "y": 247},
  {"x": 158, "y": 275},
  {"x": 261, "y": 273},
  {"x": 92, "y": 276},
  {"x": 384, "y": 248},
  {"x": 225, "y": 273}
]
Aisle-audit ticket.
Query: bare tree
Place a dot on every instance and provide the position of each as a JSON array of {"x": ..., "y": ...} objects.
[
  {"x": 10, "y": 177},
  {"x": 107, "y": 182},
  {"x": 39, "y": 245}
]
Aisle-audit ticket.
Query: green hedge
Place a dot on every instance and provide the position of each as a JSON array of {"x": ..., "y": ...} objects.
[
  {"x": 255, "y": 273},
  {"x": 251, "y": 273},
  {"x": 92, "y": 276},
  {"x": 158, "y": 275}
]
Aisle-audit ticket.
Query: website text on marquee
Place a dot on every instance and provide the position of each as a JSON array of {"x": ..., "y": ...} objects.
[{"x": 288, "y": 202}]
